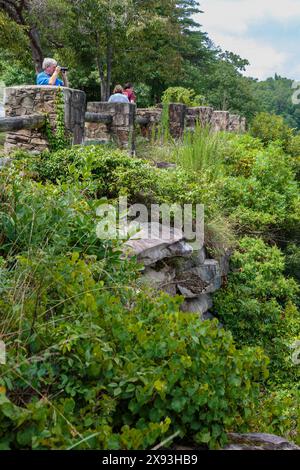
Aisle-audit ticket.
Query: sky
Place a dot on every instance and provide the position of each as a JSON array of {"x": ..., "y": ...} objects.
[{"x": 266, "y": 32}]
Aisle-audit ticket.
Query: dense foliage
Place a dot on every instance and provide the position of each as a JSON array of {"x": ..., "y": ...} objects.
[{"x": 94, "y": 359}]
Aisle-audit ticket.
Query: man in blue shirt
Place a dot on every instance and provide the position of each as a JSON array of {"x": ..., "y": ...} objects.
[{"x": 50, "y": 74}]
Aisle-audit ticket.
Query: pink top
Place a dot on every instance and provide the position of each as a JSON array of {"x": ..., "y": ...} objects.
[{"x": 130, "y": 95}]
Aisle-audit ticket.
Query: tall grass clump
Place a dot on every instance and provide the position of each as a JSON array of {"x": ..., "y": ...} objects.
[{"x": 201, "y": 150}]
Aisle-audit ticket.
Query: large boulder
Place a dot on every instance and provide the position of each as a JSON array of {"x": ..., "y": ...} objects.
[
  {"x": 153, "y": 242},
  {"x": 199, "y": 305}
]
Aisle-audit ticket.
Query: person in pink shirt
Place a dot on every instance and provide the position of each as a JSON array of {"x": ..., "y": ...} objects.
[{"x": 128, "y": 91}]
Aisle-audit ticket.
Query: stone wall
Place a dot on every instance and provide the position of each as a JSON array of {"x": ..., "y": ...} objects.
[
  {"x": 177, "y": 114},
  {"x": 121, "y": 128},
  {"x": 220, "y": 121},
  {"x": 183, "y": 118},
  {"x": 198, "y": 114},
  {"x": 153, "y": 117},
  {"x": 234, "y": 124},
  {"x": 27, "y": 100}
]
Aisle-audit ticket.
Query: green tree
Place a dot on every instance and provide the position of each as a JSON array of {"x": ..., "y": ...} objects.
[
  {"x": 274, "y": 95},
  {"x": 226, "y": 88},
  {"x": 18, "y": 24}
]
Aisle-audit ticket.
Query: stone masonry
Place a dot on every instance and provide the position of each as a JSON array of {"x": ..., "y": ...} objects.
[
  {"x": 153, "y": 116},
  {"x": 220, "y": 121},
  {"x": 32, "y": 100},
  {"x": 28, "y": 100},
  {"x": 198, "y": 114},
  {"x": 121, "y": 128}
]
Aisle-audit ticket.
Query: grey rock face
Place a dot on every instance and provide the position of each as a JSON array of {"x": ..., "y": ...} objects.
[
  {"x": 209, "y": 273},
  {"x": 160, "y": 280},
  {"x": 259, "y": 441},
  {"x": 149, "y": 248},
  {"x": 199, "y": 305},
  {"x": 171, "y": 265}
]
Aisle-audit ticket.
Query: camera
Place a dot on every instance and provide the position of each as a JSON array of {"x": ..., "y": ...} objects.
[{"x": 64, "y": 69}]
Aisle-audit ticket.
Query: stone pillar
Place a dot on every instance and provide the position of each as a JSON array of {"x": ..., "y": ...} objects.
[
  {"x": 243, "y": 124},
  {"x": 123, "y": 125},
  {"x": 205, "y": 115},
  {"x": 26, "y": 100},
  {"x": 200, "y": 114},
  {"x": 121, "y": 129},
  {"x": 154, "y": 118},
  {"x": 177, "y": 119},
  {"x": 234, "y": 124},
  {"x": 220, "y": 120}
]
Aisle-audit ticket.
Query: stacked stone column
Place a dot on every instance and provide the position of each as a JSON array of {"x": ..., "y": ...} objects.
[
  {"x": 177, "y": 114},
  {"x": 121, "y": 128},
  {"x": 28, "y": 100},
  {"x": 220, "y": 121},
  {"x": 198, "y": 114}
]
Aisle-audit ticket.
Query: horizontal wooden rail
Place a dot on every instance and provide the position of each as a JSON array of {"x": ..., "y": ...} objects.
[
  {"x": 98, "y": 117},
  {"x": 16, "y": 123}
]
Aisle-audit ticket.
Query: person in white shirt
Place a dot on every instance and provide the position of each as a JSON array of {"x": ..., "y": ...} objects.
[{"x": 117, "y": 96}]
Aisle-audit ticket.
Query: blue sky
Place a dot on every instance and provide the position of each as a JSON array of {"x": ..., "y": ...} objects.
[{"x": 266, "y": 32}]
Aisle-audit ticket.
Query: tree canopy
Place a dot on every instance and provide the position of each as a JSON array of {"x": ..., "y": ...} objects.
[{"x": 153, "y": 44}]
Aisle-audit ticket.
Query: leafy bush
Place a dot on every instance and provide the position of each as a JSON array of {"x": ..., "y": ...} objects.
[
  {"x": 93, "y": 360},
  {"x": 258, "y": 305},
  {"x": 102, "y": 375},
  {"x": 266, "y": 199},
  {"x": 143, "y": 95},
  {"x": 182, "y": 95},
  {"x": 270, "y": 128},
  {"x": 293, "y": 260},
  {"x": 239, "y": 153},
  {"x": 294, "y": 146}
]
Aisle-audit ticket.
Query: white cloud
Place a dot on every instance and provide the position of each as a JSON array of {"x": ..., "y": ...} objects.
[
  {"x": 264, "y": 59},
  {"x": 238, "y": 15},
  {"x": 229, "y": 23}
]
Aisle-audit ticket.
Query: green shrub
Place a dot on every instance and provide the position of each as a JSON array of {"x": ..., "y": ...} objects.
[
  {"x": 94, "y": 360},
  {"x": 239, "y": 153},
  {"x": 270, "y": 128},
  {"x": 124, "y": 375},
  {"x": 293, "y": 260},
  {"x": 182, "y": 95},
  {"x": 143, "y": 95},
  {"x": 267, "y": 199},
  {"x": 294, "y": 146},
  {"x": 258, "y": 305}
]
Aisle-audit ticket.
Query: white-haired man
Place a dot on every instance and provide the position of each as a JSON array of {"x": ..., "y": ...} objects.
[{"x": 50, "y": 74}]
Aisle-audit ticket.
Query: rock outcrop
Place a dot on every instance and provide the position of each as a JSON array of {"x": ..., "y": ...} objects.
[
  {"x": 173, "y": 266},
  {"x": 259, "y": 441}
]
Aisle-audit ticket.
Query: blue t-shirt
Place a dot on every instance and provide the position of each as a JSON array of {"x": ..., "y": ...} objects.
[
  {"x": 43, "y": 79},
  {"x": 118, "y": 98}
]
